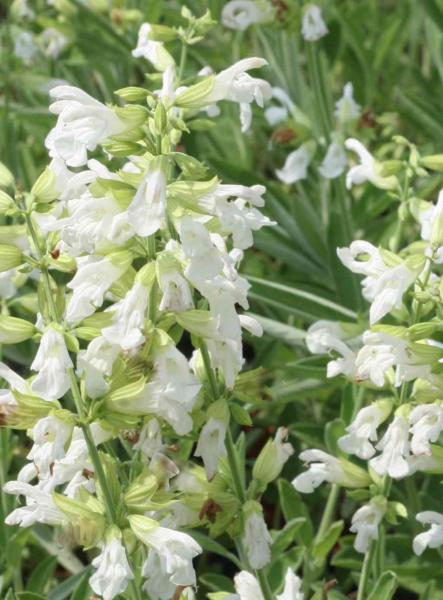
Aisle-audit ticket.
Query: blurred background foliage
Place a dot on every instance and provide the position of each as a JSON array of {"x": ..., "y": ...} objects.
[{"x": 392, "y": 52}]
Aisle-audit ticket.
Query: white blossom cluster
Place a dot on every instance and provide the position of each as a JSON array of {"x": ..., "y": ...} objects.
[
  {"x": 397, "y": 365},
  {"x": 149, "y": 248}
]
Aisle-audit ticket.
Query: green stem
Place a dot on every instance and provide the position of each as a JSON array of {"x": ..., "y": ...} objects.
[
  {"x": 183, "y": 56},
  {"x": 328, "y": 513},
  {"x": 364, "y": 577}
]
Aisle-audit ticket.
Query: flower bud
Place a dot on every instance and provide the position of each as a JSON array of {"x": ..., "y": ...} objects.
[
  {"x": 423, "y": 330},
  {"x": 146, "y": 275},
  {"x": 85, "y": 516},
  {"x": 433, "y": 162},
  {"x": 44, "y": 189},
  {"x": 10, "y": 257},
  {"x": 272, "y": 458},
  {"x": 122, "y": 149},
  {"x": 6, "y": 177},
  {"x": 160, "y": 119},
  {"x": 14, "y": 330},
  {"x": 132, "y": 94},
  {"x": 6, "y": 203},
  {"x": 195, "y": 96},
  {"x": 390, "y": 167},
  {"x": 198, "y": 322},
  {"x": 161, "y": 33}
]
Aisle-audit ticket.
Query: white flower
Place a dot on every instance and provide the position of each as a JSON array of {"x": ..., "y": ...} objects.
[
  {"x": 177, "y": 295},
  {"x": 433, "y": 538},
  {"x": 8, "y": 402},
  {"x": 172, "y": 391},
  {"x": 76, "y": 459},
  {"x": 324, "y": 336},
  {"x": 147, "y": 211},
  {"x": 431, "y": 225},
  {"x": 393, "y": 460},
  {"x": 211, "y": 445},
  {"x": 238, "y": 219},
  {"x": 334, "y": 162},
  {"x": 93, "y": 279},
  {"x": 95, "y": 363},
  {"x": 257, "y": 540},
  {"x": 346, "y": 109},
  {"x": 50, "y": 436},
  {"x": 247, "y": 587},
  {"x": 367, "y": 170},
  {"x": 52, "y": 362},
  {"x": 313, "y": 26},
  {"x": 53, "y": 41},
  {"x": 128, "y": 319},
  {"x": 380, "y": 352},
  {"x": 150, "y": 440},
  {"x": 322, "y": 467},
  {"x": 373, "y": 361},
  {"x": 113, "y": 572},
  {"x": 170, "y": 553},
  {"x": 82, "y": 124},
  {"x": 365, "y": 524},
  {"x": 68, "y": 184},
  {"x": 227, "y": 356},
  {"x": 25, "y": 47},
  {"x": 205, "y": 260},
  {"x": 427, "y": 424},
  {"x": 296, "y": 166},
  {"x": 363, "y": 430},
  {"x": 276, "y": 114},
  {"x": 91, "y": 224},
  {"x": 388, "y": 291},
  {"x": 40, "y": 507},
  {"x": 240, "y": 14},
  {"x": 383, "y": 286},
  {"x": 292, "y": 589},
  {"x": 236, "y": 85},
  {"x": 153, "y": 51}
]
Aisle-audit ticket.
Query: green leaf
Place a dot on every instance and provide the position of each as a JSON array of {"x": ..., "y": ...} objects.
[
  {"x": 214, "y": 547},
  {"x": 333, "y": 431},
  {"x": 82, "y": 591},
  {"x": 41, "y": 574},
  {"x": 217, "y": 583},
  {"x": 286, "y": 536},
  {"x": 293, "y": 507},
  {"x": 68, "y": 586},
  {"x": 327, "y": 307},
  {"x": 29, "y": 596},
  {"x": 385, "y": 587},
  {"x": 323, "y": 546}
]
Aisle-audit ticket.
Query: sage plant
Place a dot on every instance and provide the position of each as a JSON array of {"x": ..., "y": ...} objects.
[
  {"x": 394, "y": 356},
  {"x": 130, "y": 249}
]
